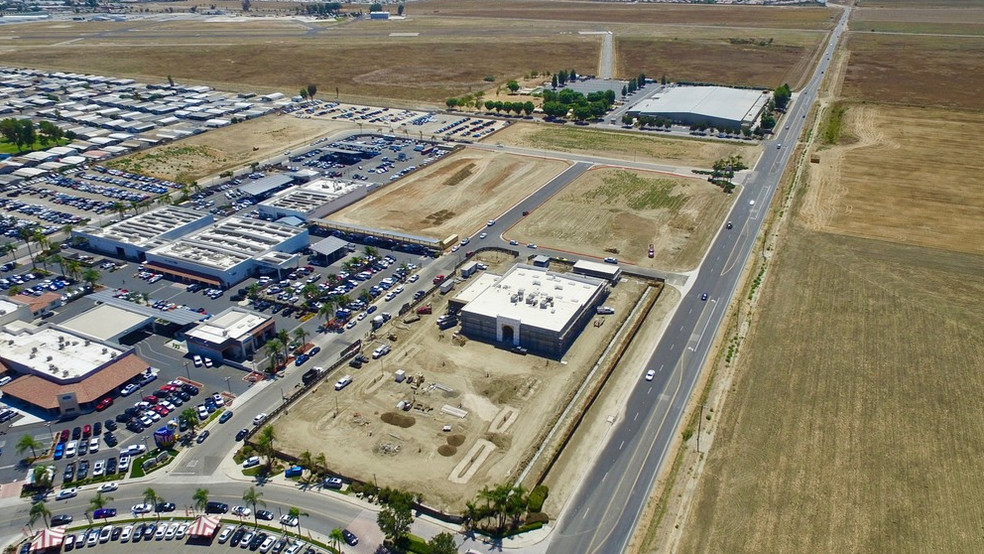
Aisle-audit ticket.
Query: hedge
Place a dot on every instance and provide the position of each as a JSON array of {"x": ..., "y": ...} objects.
[{"x": 537, "y": 497}]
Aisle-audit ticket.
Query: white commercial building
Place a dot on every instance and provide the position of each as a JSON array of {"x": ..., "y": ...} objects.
[
  {"x": 229, "y": 251},
  {"x": 530, "y": 307},
  {"x": 133, "y": 237},
  {"x": 312, "y": 200},
  {"x": 719, "y": 107},
  {"x": 234, "y": 334}
]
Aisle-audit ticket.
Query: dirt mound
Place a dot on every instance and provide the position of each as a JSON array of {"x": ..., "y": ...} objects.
[
  {"x": 398, "y": 419},
  {"x": 446, "y": 450},
  {"x": 456, "y": 440},
  {"x": 499, "y": 439}
]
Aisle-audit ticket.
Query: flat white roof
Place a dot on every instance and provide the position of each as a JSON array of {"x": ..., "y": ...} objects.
[
  {"x": 535, "y": 296},
  {"x": 309, "y": 197},
  {"x": 53, "y": 353},
  {"x": 233, "y": 324},
  {"x": 719, "y": 102},
  {"x": 146, "y": 229},
  {"x": 228, "y": 242},
  {"x": 477, "y": 286},
  {"x": 6, "y": 306},
  {"x": 104, "y": 322},
  {"x": 608, "y": 269}
]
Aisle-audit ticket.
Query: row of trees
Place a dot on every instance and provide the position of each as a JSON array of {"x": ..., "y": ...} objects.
[
  {"x": 322, "y": 8},
  {"x": 594, "y": 105},
  {"x": 23, "y": 134},
  {"x": 308, "y": 92},
  {"x": 636, "y": 83},
  {"x": 561, "y": 78}
]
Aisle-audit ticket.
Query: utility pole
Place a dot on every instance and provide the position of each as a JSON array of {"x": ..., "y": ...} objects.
[{"x": 698, "y": 426}]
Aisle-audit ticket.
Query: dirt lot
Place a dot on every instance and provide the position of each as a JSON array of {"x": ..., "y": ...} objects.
[
  {"x": 904, "y": 176},
  {"x": 623, "y": 146},
  {"x": 228, "y": 147},
  {"x": 627, "y": 211},
  {"x": 454, "y": 196},
  {"x": 509, "y": 399},
  {"x": 910, "y": 69},
  {"x": 959, "y": 20},
  {"x": 757, "y": 61},
  {"x": 727, "y": 16},
  {"x": 857, "y": 407}
]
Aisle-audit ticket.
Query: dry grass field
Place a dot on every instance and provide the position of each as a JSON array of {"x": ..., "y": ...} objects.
[
  {"x": 939, "y": 4},
  {"x": 855, "y": 422},
  {"x": 725, "y": 16},
  {"x": 916, "y": 70},
  {"x": 758, "y": 61},
  {"x": 227, "y": 148},
  {"x": 627, "y": 211},
  {"x": 454, "y": 196},
  {"x": 924, "y": 19},
  {"x": 905, "y": 176},
  {"x": 510, "y": 401},
  {"x": 623, "y": 146}
]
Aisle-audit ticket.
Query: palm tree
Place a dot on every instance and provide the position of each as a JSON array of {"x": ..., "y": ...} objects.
[
  {"x": 41, "y": 239},
  {"x": 370, "y": 251},
  {"x": 42, "y": 479},
  {"x": 253, "y": 291},
  {"x": 265, "y": 444},
  {"x": 336, "y": 539},
  {"x": 91, "y": 276},
  {"x": 310, "y": 290},
  {"x": 74, "y": 268},
  {"x": 321, "y": 463},
  {"x": 273, "y": 349},
  {"x": 39, "y": 511},
  {"x": 252, "y": 497},
  {"x": 190, "y": 418},
  {"x": 296, "y": 512},
  {"x": 150, "y": 497},
  {"x": 327, "y": 309},
  {"x": 119, "y": 208},
  {"x": 284, "y": 337},
  {"x": 365, "y": 296},
  {"x": 27, "y": 441},
  {"x": 8, "y": 248},
  {"x": 26, "y": 234},
  {"x": 201, "y": 499},
  {"x": 97, "y": 502},
  {"x": 300, "y": 335},
  {"x": 57, "y": 259}
]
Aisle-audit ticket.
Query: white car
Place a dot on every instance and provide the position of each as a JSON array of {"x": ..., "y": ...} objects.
[
  {"x": 198, "y": 360},
  {"x": 252, "y": 461},
  {"x": 142, "y": 508},
  {"x": 128, "y": 390},
  {"x": 202, "y": 412},
  {"x": 180, "y": 533},
  {"x": 208, "y": 362},
  {"x": 99, "y": 468},
  {"x": 65, "y": 494},
  {"x": 71, "y": 448},
  {"x": 288, "y": 520},
  {"x": 483, "y": 235},
  {"x": 267, "y": 544},
  {"x": 751, "y": 202},
  {"x": 241, "y": 511},
  {"x": 94, "y": 445},
  {"x": 413, "y": 278},
  {"x": 105, "y": 533},
  {"x": 650, "y": 375},
  {"x": 126, "y": 534},
  {"x": 218, "y": 400},
  {"x": 172, "y": 529},
  {"x": 124, "y": 463},
  {"x": 109, "y": 487},
  {"x": 225, "y": 534},
  {"x": 260, "y": 417},
  {"x": 161, "y": 531}
]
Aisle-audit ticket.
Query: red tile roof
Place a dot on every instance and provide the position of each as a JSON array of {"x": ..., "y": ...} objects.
[{"x": 44, "y": 393}]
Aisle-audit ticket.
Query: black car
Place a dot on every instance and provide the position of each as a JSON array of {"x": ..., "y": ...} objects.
[
  {"x": 76, "y": 433},
  {"x": 362, "y": 358},
  {"x": 184, "y": 396},
  {"x": 190, "y": 389},
  {"x": 355, "y": 364},
  {"x": 138, "y": 532},
  {"x": 97, "y": 428},
  {"x": 350, "y": 537},
  {"x": 226, "y": 416},
  {"x": 69, "y": 472},
  {"x": 237, "y": 536},
  {"x": 216, "y": 508},
  {"x": 164, "y": 507},
  {"x": 111, "y": 465},
  {"x": 242, "y": 434},
  {"x": 135, "y": 426},
  {"x": 110, "y": 425},
  {"x": 149, "y": 531},
  {"x": 257, "y": 540},
  {"x": 111, "y": 440},
  {"x": 202, "y": 436},
  {"x": 60, "y": 520},
  {"x": 117, "y": 531},
  {"x": 83, "y": 469},
  {"x": 123, "y": 418},
  {"x": 265, "y": 515}
]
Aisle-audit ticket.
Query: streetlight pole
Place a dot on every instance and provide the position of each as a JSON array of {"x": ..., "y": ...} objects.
[
  {"x": 187, "y": 371},
  {"x": 228, "y": 386}
]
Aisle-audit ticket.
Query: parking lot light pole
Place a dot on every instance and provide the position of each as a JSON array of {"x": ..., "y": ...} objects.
[
  {"x": 228, "y": 386},
  {"x": 187, "y": 371}
]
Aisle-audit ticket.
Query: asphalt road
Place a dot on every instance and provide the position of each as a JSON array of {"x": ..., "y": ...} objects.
[{"x": 603, "y": 513}]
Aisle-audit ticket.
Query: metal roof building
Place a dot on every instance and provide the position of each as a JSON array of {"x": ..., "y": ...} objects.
[
  {"x": 132, "y": 237},
  {"x": 719, "y": 107}
]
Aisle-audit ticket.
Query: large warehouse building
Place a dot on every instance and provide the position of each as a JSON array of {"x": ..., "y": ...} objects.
[
  {"x": 132, "y": 237},
  {"x": 312, "y": 200},
  {"x": 530, "y": 307},
  {"x": 229, "y": 251},
  {"x": 719, "y": 107}
]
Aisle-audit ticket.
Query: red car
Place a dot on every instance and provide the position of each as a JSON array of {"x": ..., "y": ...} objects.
[
  {"x": 86, "y": 431},
  {"x": 150, "y": 399},
  {"x": 64, "y": 435},
  {"x": 104, "y": 403}
]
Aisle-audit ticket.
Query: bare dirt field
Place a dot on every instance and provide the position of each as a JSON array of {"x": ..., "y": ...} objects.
[
  {"x": 229, "y": 147},
  {"x": 927, "y": 19},
  {"x": 914, "y": 70},
  {"x": 855, "y": 414},
  {"x": 454, "y": 196},
  {"x": 510, "y": 401},
  {"x": 904, "y": 176},
  {"x": 626, "y": 211},
  {"x": 757, "y": 61},
  {"x": 727, "y": 16},
  {"x": 922, "y": 3},
  {"x": 623, "y": 146}
]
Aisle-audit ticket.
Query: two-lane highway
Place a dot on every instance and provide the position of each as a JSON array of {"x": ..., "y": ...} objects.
[{"x": 604, "y": 512}]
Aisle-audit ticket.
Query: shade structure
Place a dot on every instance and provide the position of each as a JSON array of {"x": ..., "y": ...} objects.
[
  {"x": 48, "y": 538},
  {"x": 204, "y": 526}
]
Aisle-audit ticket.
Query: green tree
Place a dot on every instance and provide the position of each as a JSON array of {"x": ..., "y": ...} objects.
[
  {"x": 303, "y": 94},
  {"x": 91, "y": 276},
  {"x": 8, "y": 249},
  {"x": 190, "y": 418},
  {"x": 38, "y": 511},
  {"x": 274, "y": 351},
  {"x": 150, "y": 497},
  {"x": 553, "y": 81},
  {"x": 284, "y": 337},
  {"x": 489, "y": 105},
  {"x": 311, "y": 89},
  {"x": 42, "y": 480},
  {"x": 336, "y": 537},
  {"x": 376, "y": 7},
  {"x": 251, "y": 497},
  {"x": 781, "y": 96},
  {"x": 28, "y": 442},
  {"x": 200, "y": 499},
  {"x": 296, "y": 512},
  {"x": 512, "y": 85},
  {"x": 395, "y": 518},
  {"x": 27, "y": 233},
  {"x": 265, "y": 444},
  {"x": 442, "y": 543},
  {"x": 301, "y": 335},
  {"x": 399, "y": 10},
  {"x": 451, "y": 103}
]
